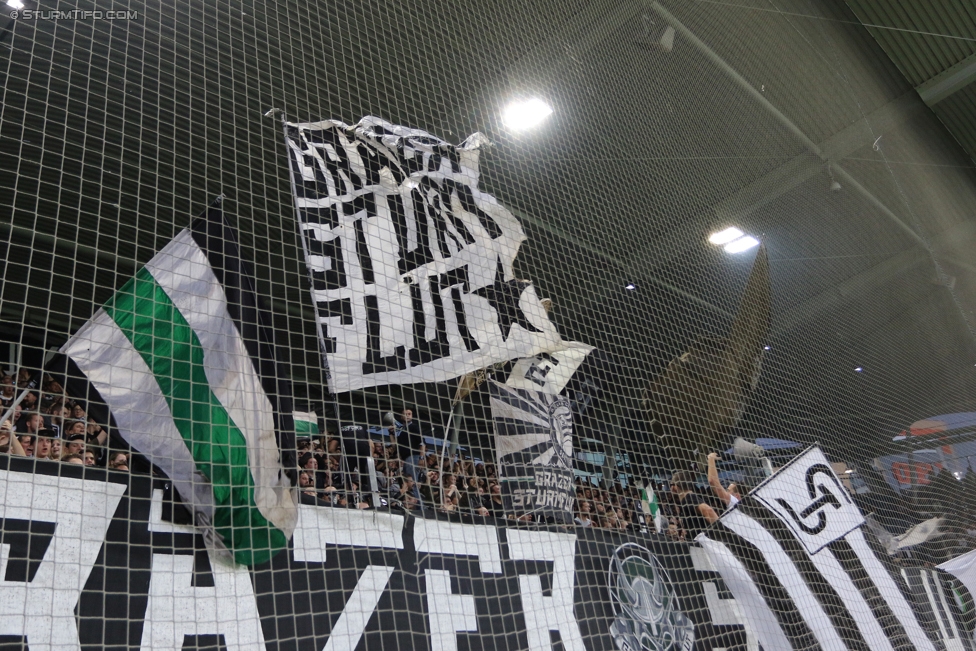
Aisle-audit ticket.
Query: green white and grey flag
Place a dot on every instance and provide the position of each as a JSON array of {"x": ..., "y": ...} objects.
[
  {"x": 306, "y": 423},
  {"x": 184, "y": 360}
]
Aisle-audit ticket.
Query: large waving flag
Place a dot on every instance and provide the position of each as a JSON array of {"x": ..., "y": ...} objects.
[{"x": 184, "y": 360}]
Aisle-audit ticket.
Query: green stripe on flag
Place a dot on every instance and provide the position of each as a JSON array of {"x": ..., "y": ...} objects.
[
  {"x": 171, "y": 349},
  {"x": 307, "y": 428}
]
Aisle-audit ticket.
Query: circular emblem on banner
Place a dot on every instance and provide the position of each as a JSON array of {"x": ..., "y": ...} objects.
[
  {"x": 561, "y": 433},
  {"x": 646, "y": 607}
]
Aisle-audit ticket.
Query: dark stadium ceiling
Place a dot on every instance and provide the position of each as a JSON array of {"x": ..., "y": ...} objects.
[
  {"x": 933, "y": 43},
  {"x": 784, "y": 118}
]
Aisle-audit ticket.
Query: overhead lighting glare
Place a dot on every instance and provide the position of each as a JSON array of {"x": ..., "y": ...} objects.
[
  {"x": 630, "y": 286},
  {"x": 525, "y": 114},
  {"x": 724, "y": 237},
  {"x": 859, "y": 369},
  {"x": 741, "y": 244},
  {"x": 15, "y": 4}
]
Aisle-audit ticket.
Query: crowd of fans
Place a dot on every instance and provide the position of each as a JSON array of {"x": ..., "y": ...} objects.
[
  {"x": 412, "y": 476},
  {"x": 48, "y": 426}
]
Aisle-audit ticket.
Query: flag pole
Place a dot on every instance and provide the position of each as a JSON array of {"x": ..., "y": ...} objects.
[{"x": 466, "y": 384}]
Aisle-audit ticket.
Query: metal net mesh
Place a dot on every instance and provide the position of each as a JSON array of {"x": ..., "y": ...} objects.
[{"x": 241, "y": 241}]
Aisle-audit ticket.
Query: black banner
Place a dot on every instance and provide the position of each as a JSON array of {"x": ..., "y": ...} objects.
[
  {"x": 102, "y": 560},
  {"x": 534, "y": 449}
]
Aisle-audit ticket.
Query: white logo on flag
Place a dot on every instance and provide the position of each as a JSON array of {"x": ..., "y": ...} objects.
[
  {"x": 809, "y": 498},
  {"x": 410, "y": 262}
]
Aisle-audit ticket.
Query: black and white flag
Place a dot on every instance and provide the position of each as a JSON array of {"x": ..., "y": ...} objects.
[
  {"x": 549, "y": 372},
  {"x": 410, "y": 262},
  {"x": 534, "y": 451},
  {"x": 794, "y": 556}
]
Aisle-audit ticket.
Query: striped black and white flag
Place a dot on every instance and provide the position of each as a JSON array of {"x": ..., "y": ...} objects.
[
  {"x": 410, "y": 261},
  {"x": 185, "y": 362},
  {"x": 794, "y": 556},
  {"x": 534, "y": 449}
]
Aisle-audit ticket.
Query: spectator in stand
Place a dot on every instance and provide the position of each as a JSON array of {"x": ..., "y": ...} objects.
[
  {"x": 334, "y": 476},
  {"x": 119, "y": 461},
  {"x": 451, "y": 496},
  {"x": 96, "y": 434},
  {"x": 33, "y": 423},
  {"x": 8, "y": 442},
  {"x": 59, "y": 414},
  {"x": 729, "y": 496},
  {"x": 55, "y": 454},
  {"x": 411, "y": 449},
  {"x": 429, "y": 492},
  {"x": 74, "y": 445},
  {"x": 27, "y": 443},
  {"x": 44, "y": 445},
  {"x": 332, "y": 445},
  {"x": 53, "y": 393},
  {"x": 24, "y": 378},
  {"x": 78, "y": 412},
  {"x": 310, "y": 464},
  {"x": 403, "y": 491},
  {"x": 306, "y": 482},
  {"x": 674, "y": 531},
  {"x": 473, "y": 498},
  {"x": 583, "y": 518},
  {"x": 72, "y": 427},
  {"x": 694, "y": 512},
  {"x": 29, "y": 403},
  {"x": 7, "y": 392},
  {"x": 382, "y": 476},
  {"x": 89, "y": 458},
  {"x": 409, "y": 424},
  {"x": 15, "y": 417},
  {"x": 494, "y": 501},
  {"x": 73, "y": 458}
]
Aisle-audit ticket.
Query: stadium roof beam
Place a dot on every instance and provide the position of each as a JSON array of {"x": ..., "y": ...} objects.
[
  {"x": 949, "y": 81},
  {"x": 822, "y": 153},
  {"x": 871, "y": 279}
]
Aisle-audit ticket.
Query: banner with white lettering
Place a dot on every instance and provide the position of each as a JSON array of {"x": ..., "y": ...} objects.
[
  {"x": 534, "y": 449},
  {"x": 410, "y": 262},
  {"x": 95, "y": 559}
]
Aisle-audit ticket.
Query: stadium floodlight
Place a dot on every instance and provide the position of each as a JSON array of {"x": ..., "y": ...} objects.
[
  {"x": 742, "y": 244},
  {"x": 719, "y": 238},
  {"x": 15, "y": 4},
  {"x": 525, "y": 114}
]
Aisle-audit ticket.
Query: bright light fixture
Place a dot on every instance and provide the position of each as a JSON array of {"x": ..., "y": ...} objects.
[
  {"x": 719, "y": 238},
  {"x": 741, "y": 244},
  {"x": 525, "y": 114},
  {"x": 630, "y": 286},
  {"x": 858, "y": 369},
  {"x": 15, "y": 4}
]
